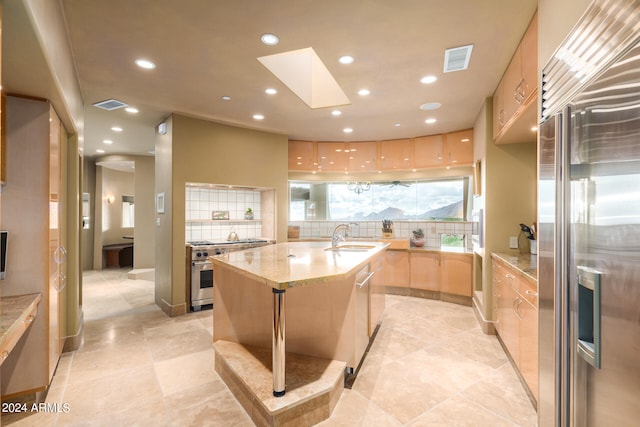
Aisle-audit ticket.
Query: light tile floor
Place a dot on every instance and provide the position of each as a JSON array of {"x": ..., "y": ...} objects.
[{"x": 430, "y": 365}]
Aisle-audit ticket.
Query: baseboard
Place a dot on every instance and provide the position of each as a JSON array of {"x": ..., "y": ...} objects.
[{"x": 172, "y": 310}]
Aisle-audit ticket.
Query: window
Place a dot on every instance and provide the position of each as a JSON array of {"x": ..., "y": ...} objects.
[
  {"x": 127, "y": 211},
  {"x": 442, "y": 200}
]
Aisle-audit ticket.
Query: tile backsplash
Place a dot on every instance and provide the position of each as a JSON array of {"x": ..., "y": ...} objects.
[
  {"x": 200, "y": 202},
  {"x": 433, "y": 230}
]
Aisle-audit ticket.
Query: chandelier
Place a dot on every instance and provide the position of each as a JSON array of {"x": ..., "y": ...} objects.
[{"x": 359, "y": 187}]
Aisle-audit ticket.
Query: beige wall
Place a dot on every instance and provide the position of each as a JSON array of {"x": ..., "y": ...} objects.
[
  {"x": 196, "y": 150},
  {"x": 89, "y": 186},
  {"x": 144, "y": 230},
  {"x": 556, "y": 18},
  {"x": 164, "y": 226},
  {"x": 114, "y": 184}
]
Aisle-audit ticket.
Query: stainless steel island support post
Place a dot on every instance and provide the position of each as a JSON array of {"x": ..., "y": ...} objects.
[{"x": 278, "y": 347}]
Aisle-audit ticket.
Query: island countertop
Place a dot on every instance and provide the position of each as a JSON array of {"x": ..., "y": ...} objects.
[{"x": 291, "y": 264}]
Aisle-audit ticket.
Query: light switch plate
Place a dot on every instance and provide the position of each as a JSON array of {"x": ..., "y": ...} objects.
[{"x": 513, "y": 242}]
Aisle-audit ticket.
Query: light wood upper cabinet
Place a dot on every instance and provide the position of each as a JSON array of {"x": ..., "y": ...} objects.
[
  {"x": 516, "y": 95},
  {"x": 302, "y": 156},
  {"x": 459, "y": 148},
  {"x": 396, "y": 154},
  {"x": 424, "y": 271},
  {"x": 428, "y": 151},
  {"x": 433, "y": 151},
  {"x": 529, "y": 60},
  {"x": 363, "y": 156},
  {"x": 332, "y": 157}
]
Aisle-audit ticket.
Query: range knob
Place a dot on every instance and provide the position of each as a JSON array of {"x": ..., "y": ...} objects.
[
  {"x": 198, "y": 254},
  {"x": 205, "y": 254}
]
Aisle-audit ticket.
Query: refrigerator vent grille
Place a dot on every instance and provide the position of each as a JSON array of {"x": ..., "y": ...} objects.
[{"x": 605, "y": 31}]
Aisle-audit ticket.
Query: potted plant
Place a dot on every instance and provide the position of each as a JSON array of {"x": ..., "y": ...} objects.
[
  {"x": 418, "y": 238},
  {"x": 248, "y": 214}
]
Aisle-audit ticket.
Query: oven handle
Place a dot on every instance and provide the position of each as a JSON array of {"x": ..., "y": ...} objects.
[{"x": 200, "y": 263}]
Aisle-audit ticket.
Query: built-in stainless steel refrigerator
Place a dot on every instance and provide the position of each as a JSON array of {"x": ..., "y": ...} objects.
[{"x": 589, "y": 223}]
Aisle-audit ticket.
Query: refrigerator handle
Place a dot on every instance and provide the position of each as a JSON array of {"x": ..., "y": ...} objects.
[{"x": 588, "y": 336}]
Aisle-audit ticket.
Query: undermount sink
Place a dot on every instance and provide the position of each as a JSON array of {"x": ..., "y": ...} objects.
[{"x": 350, "y": 248}]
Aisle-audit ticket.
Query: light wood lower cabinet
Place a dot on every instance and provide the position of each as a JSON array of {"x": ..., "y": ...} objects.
[
  {"x": 441, "y": 272},
  {"x": 515, "y": 307},
  {"x": 376, "y": 293},
  {"x": 456, "y": 274},
  {"x": 396, "y": 268},
  {"x": 424, "y": 271}
]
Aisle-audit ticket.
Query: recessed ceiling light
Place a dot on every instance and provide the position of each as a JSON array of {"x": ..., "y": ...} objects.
[
  {"x": 131, "y": 110},
  {"x": 145, "y": 63},
  {"x": 428, "y": 79},
  {"x": 269, "y": 39},
  {"x": 258, "y": 116},
  {"x": 336, "y": 113},
  {"x": 270, "y": 91},
  {"x": 226, "y": 98},
  {"x": 430, "y": 106},
  {"x": 117, "y": 129},
  {"x": 364, "y": 92},
  {"x": 99, "y": 151},
  {"x": 107, "y": 141},
  {"x": 346, "y": 59},
  {"x": 347, "y": 130},
  {"x": 430, "y": 121}
]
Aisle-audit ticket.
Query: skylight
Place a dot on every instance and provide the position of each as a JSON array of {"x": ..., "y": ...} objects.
[{"x": 305, "y": 74}]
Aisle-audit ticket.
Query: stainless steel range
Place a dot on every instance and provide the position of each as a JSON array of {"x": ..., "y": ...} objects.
[{"x": 202, "y": 268}]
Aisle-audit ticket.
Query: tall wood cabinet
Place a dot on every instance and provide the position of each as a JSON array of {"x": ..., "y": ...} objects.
[{"x": 33, "y": 212}]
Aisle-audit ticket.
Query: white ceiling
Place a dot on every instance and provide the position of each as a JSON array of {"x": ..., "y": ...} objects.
[{"x": 206, "y": 49}]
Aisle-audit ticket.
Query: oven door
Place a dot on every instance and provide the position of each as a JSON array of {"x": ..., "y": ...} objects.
[{"x": 201, "y": 284}]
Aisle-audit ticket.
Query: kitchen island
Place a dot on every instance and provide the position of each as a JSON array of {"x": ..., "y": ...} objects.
[{"x": 334, "y": 300}]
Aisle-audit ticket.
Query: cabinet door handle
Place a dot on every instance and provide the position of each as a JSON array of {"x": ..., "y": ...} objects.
[
  {"x": 520, "y": 92},
  {"x": 364, "y": 282},
  {"x": 516, "y": 306},
  {"x": 29, "y": 318},
  {"x": 60, "y": 255},
  {"x": 59, "y": 282},
  {"x": 529, "y": 292}
]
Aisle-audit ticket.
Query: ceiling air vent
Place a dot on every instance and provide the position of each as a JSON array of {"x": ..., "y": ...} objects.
[
  {"x": 110, "y": 104},
  {"x": 457, "y": 58}
]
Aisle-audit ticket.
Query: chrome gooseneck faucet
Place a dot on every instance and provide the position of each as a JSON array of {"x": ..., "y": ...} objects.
[{"x": 340, "y": 233}]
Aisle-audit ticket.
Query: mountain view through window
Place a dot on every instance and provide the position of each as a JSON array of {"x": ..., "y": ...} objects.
[{"x": 441, "y": 200}]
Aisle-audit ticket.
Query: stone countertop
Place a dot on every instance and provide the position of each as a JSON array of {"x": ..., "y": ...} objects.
[
  {"x": 392, "y": 247},
  {"x": 291, "y": 264},
  {"x": 525, "y": 263},
  {"x": 17, "y": 314}
]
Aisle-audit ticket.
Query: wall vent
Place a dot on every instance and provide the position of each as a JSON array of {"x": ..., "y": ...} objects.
[
  {"x": 457, "y": 58},
  {"x": 110, "y": 104}
]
